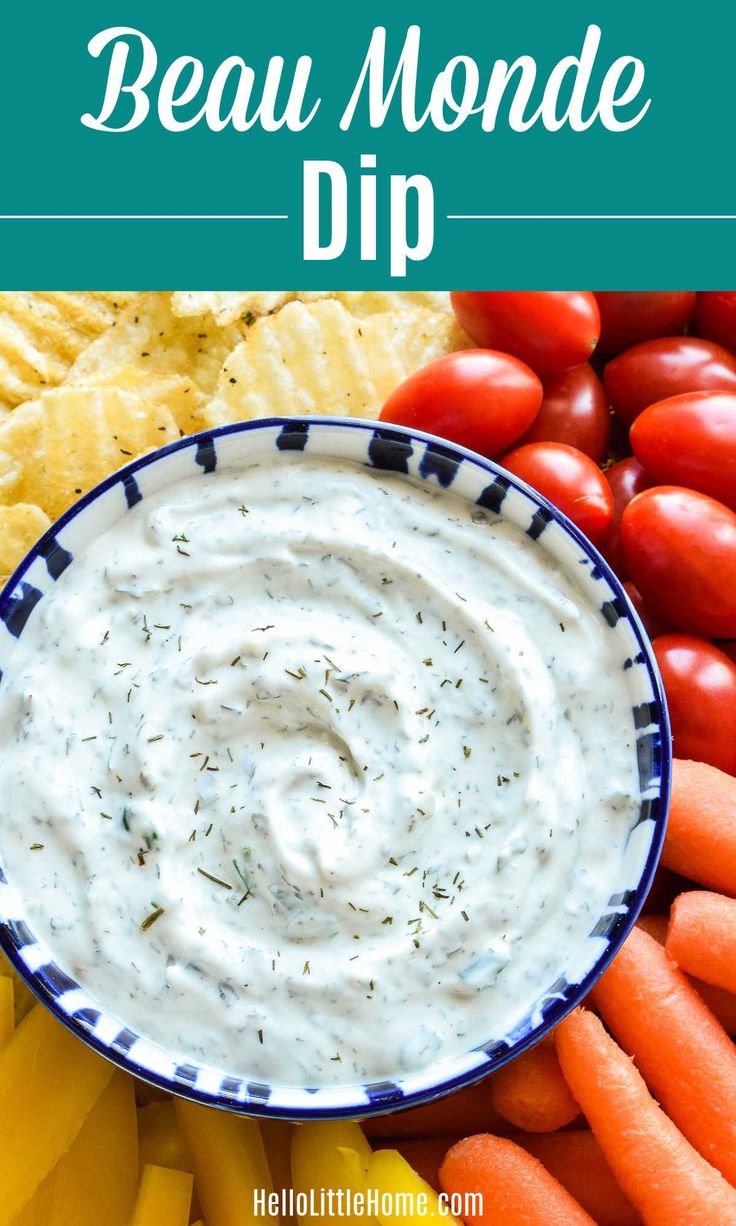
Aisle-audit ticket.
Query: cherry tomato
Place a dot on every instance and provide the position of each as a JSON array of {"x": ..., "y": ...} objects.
[
  {"x": 668, "y": 366},
  {"x": 569, "y": 479},
  {"x": 651, "y": 623},
  {"x": 690, "y": 440},
  {"x": 475, "y": 397},
  {"x": 550, "y": 331},
  {"x": 618, "y": 442},
  {"x": 631, "y": 316},
  {"x": 574, "y": 411},
  {"x": 700, "y": 686},
  {"x": 680, "y": 549},
  {"x": 729, "y": 648},
  {"x": 627, "y": 478},
  {"x": 715, "y": 317}
]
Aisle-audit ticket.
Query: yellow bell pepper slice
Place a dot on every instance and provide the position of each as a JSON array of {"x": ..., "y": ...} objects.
[
  {"x": 230, "y": 1163},
  {"x": 49, "y": 1083},
  {"x": 277, "y": 1136},
  {"x": 161, "y": 1141},
  {"x": 96, "y": 1180},
  {"x": 319, "y": 1162},
  {"x": 145, "y": 1094},
  {"x": 389, "y": 1172},
  {"x": 7, "y": 1009},
  {"x": 164, "y": 1197},
  {"x": 24, "y": 998}
]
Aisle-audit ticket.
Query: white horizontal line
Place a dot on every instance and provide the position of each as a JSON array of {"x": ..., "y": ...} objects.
[
  {"x": 144, "y": 217},
  {"x": 591, "y": 216},
  {"x": 285, "y": 216}
]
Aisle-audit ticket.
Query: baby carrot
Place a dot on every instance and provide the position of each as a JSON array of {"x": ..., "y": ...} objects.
[
  {"x": 531, "y": 1092},
  {"x": 664, "y": 1177},
  {"x": 682, "y": 1052},
  {"x": 578, "y": 1162},
  {"x": 722, "y": 1004},
  {"x": 702, "y": 937},
  {"x": 655, "y": 926},
  {"x": 516, "y": 1190},
  {"x": 575, "y": 1159},
  {"x": 466, "y": 1111},
  {"x": 701, "y": 832}
]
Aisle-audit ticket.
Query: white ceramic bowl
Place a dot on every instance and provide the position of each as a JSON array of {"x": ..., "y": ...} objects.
[{"x": 426, "y": 458}]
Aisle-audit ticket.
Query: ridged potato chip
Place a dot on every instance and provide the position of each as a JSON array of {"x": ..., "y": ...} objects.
[
  {"x": 226, "y": 306},
  {"x": 370, "y": 302},
  {"x": 178, "y": 393},
  {"x": 42, "y": 334},
  {"x": 20, "y": 527},
  {"x": 90, "y": 432},
  {"x": 142, "y": 375},
  {"x": 319, "y": 358},
  {"x": 57, "y": 447},
  {"x": 247, "y": 305},
  {"x": 21, "y": 455},
  {"x": 171, "y": 361}
]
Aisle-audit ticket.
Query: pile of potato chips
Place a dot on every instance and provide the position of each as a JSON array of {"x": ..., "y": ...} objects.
[{"x": 88, "y": 381}]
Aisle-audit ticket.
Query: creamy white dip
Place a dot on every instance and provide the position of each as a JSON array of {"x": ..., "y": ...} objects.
[{"x": 314, "y": 773}]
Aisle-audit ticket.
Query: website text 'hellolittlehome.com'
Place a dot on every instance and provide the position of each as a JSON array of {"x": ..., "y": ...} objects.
[{"x": 346, "y": 1202}]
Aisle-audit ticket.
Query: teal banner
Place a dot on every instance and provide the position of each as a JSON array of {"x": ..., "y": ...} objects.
[{"x": 380, "y": 145}]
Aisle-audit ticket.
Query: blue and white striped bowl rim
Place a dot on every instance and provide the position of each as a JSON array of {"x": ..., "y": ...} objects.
[{"x": 426, "y": 458}]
